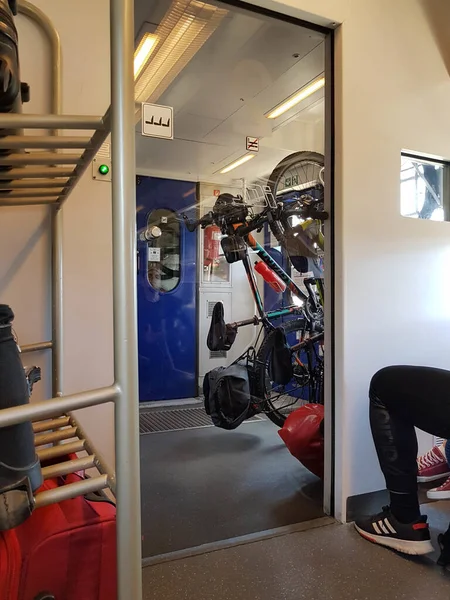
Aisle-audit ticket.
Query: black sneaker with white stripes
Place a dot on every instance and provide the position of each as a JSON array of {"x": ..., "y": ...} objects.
[{"x": 384, "y": 529}]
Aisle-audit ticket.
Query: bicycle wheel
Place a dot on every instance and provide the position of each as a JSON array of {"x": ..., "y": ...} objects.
[
  {"x": 306, "y": 386},
  {"x": 295, "y": 181}
]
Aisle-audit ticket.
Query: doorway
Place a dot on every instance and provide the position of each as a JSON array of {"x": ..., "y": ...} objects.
[{"x": 243, "y": 96}]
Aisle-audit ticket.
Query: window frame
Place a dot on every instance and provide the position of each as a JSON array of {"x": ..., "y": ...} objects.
[
  {"x": 445, "y": 192},
  {"x": 179, "y": 232}
]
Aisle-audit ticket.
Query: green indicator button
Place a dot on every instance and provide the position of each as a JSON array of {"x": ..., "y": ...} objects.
[{"x": 103, "y": 169}]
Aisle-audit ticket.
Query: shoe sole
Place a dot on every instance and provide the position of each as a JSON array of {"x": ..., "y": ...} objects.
[
  {"x": 404, "y": 546},
  {"x": 434, "y": 495},
  {"x": 432, "y": 478}
]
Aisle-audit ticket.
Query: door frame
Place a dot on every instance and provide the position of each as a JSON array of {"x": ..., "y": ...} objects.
[{"x": 330, "y": 484}]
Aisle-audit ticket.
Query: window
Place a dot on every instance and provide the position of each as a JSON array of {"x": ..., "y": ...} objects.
[
  {"x": 215, "y": 267},
  {"x": 423, "y": 190},
  {"x": 163, "y": 250}
]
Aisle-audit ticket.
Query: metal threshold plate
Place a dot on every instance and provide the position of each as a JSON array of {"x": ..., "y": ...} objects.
[{"x": 178, "y": 419}]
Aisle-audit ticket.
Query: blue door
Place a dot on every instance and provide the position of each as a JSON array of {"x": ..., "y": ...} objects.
[{"x": 167, "y": 316}]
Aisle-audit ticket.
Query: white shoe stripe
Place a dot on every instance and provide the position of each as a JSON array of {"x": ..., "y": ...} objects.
[
  {"x": 383, "y": 528},
  {"x": 389, "y": 526},
  {"x": 377, "y": 529}
]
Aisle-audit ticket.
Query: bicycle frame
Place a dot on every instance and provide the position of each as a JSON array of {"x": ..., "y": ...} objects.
[{"x": 270, "y": 262}]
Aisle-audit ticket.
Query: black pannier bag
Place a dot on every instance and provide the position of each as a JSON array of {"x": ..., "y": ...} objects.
[
  {"x": 227, "y": 393},
  {"x": 221, "y": 336},
  {"x": 234, "y": 248},
  {"x": 20, "y": 471},
  {"x": 281, "y": 370}
]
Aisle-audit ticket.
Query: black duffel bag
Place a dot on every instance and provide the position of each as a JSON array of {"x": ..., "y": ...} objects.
[
  {"x": 228, "y": 398},
  {"x": 20, "y": 470}
]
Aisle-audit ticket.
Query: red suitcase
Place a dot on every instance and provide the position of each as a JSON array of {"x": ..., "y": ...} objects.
[{"x": 65, "y": 551}]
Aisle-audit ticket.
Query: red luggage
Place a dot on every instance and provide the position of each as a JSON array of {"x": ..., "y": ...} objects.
[{"x": 66, "y": 550}]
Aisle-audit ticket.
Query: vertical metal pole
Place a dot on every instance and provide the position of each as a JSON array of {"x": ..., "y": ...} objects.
[
  {"x": 43, "y": 21},
  {"x": 124, "y": 287},
  {"x": 57, "y": 302}
]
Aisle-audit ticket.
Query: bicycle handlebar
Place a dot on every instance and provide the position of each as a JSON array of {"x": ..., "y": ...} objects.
[
  {"x": 244, "y": 229},
  {"x": 192, "y": 224}
]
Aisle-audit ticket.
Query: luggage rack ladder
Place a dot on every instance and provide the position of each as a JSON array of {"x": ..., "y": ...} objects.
[{"x": 47, "y": 175}]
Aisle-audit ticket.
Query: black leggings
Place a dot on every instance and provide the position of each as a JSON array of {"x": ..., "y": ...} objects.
[{"x": 401, "y": 398}]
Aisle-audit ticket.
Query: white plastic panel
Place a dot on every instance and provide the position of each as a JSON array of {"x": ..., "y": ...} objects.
[{"x": 207, "y": 300}]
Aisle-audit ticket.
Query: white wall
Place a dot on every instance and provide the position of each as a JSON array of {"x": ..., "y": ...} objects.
[
  {"x": 236, "y": 295},
  {"x": 24, "y": 241},
  {"x": 392, "y": 274}
]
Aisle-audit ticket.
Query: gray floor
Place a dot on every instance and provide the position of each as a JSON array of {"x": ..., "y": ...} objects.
[
  {"x": 330, "y": 563},
  {"x": 205, "y": 485}
]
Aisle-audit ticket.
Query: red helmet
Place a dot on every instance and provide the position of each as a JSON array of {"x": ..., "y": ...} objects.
[{"x": 302, "y": 433}]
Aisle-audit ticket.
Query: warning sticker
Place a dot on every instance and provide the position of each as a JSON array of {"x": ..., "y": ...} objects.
[
  {"x": 252, "y": 144},
  {"x": 154, "y": 254}
]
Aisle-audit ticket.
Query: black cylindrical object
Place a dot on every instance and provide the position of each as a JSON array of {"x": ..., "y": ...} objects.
[
  {"x": 9, "y": 60},
  {"x": 20, "y": 471},
  {"x": 12, "y": 91}
]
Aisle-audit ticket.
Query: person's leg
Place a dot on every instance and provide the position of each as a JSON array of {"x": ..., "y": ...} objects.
[{"x": 401, "y": 398}]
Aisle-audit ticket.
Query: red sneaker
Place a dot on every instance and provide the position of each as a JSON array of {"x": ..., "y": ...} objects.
[
  {"x": 432, "y": 466},
  {"x": 440, "y": 493}
]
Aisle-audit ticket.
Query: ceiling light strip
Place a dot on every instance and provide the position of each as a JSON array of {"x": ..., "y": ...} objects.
[
  {"x": 296, "y": 98},
  {"x": 237, "y": 163},
  {"x": 181, "y": 33},
  {"x": 143, "y": 52}
]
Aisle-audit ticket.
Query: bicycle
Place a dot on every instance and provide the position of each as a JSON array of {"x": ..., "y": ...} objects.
[{"x": 303, "y": 321}]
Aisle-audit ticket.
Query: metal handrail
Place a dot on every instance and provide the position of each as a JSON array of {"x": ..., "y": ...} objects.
[
  {"x": 27, "y": 201},
  {"x": 57, "y": 406},
  {"x": 40, "y": 158},
  {"x": 33, "y": 172},
  {"x": 124, "y": 393},
  {"x": 71, "y": 490},
  {"x": 50, "y": 424},
  {"x": 41, "y": 141},
  {"x": 58, "y": 121}
]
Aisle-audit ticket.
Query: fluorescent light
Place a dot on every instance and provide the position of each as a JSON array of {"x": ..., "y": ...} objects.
[
  {"x": 237, "y": 163},
  {"x": 143, "y": 52},
  {"x": 304, "y": 93},
  {"x": 185, "y": 27}
]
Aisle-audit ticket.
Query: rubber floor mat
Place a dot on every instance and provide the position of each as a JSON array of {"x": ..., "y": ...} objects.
[
  {"x": 206, "y": 484},
  {"x": 155, "y": 421}
]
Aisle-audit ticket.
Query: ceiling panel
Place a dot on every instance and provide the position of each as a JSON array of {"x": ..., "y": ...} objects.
[
  {"x": 193, "y": 127},
  {"x": 178, "y": 156},
  {"x": 244, "y": 57},
  {"x": 248, "y": 66},
  {"x": 249, "y": 119}
]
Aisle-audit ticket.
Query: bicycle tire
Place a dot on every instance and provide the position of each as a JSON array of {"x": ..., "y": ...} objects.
[
  {"x": 276, "y": 175},
  {"x": 273, "y": 413}
]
